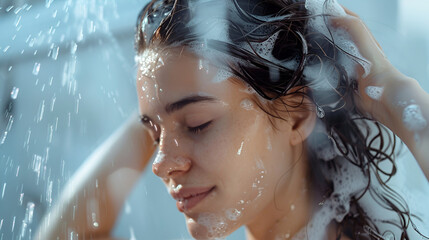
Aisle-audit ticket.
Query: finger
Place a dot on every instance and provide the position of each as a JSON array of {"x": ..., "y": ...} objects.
[
  {"x": 349, "y": 12},
  {"x": 366, "y": 43}
]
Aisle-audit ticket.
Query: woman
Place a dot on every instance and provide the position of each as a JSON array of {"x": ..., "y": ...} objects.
[{"x": 263, "y": 113}]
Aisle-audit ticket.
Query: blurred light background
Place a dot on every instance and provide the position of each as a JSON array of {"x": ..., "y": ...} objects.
[{"x": 67, "y": 82}]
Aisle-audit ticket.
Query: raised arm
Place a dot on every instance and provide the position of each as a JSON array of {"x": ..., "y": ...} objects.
[
  {"x": 390, "y": 97},
  {"x": 93, "y": 197}
]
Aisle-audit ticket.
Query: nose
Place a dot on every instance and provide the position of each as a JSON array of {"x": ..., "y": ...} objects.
[{"x": 169, "y": 167}]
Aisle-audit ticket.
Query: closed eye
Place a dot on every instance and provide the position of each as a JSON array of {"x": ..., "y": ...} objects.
[{"x": 199, "y": 128}]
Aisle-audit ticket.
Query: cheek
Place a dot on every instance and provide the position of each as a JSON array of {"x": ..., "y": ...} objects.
[{"x": 240, "y": 160}]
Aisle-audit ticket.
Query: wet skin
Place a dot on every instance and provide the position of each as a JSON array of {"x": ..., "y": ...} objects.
[{"x": 212, "y": 139}]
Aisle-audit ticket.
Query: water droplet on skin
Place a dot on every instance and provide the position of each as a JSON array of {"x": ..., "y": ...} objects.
[
  {"x": 177, "y": 188},
  {"x": 14, "y": 93},
  {"x": 200, "y": 64},
  {"x": 232, "y": 214},
  {"x": 158, "y": 159},
  {"x": 246, "y": 104},
  {"x": 269, "y": 146},
  {"x": 241, "y": 148},
  {"x": 190, "y": 220},
  {"x": 203, "y": 65},
  {"x": 73, "y": 236}
]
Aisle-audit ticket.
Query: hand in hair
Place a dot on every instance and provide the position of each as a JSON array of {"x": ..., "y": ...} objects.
[{"x": 387, "y": 95}]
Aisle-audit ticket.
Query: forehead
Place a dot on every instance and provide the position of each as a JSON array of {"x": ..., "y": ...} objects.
[{"x": 167, "y": 76}]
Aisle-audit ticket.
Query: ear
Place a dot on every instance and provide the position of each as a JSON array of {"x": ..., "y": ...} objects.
[{"x": 302, "y": 118}]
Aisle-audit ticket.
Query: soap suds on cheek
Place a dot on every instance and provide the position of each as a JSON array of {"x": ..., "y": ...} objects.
[
  {"x": 232, "y": 214},
  {"x": 258, "y": 183},
  {"x": 246, "y": 104},
  {"x": 216, "y": 225}
]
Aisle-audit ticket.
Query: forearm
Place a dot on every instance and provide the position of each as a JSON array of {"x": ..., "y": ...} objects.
[
  {"x": 387, "y": 95},
  {"x": 93, "y": 197}
]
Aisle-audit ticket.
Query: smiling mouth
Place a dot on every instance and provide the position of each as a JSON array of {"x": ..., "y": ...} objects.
[{"x": 188, "y": 202}]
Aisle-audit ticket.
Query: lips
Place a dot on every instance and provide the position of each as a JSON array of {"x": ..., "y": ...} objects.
[{"x": 188, "y": 198}]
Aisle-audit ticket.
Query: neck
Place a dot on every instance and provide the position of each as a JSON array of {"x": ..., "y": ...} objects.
[{"x": 285, "y": 217}]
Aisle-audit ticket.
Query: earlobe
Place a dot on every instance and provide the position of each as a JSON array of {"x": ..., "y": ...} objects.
[{"x": 303, "y": 120}]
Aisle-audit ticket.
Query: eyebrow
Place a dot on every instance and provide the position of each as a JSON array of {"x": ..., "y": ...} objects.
[{"x": 172, "y": 107}]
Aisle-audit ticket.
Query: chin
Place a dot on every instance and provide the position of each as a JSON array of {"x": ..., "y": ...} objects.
[
  {"x": 209, "y": 226},
  {"x": 196, "y": 230}
]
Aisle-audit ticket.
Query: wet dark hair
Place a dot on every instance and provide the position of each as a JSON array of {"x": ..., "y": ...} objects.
[{"x": 361, "y": 141}]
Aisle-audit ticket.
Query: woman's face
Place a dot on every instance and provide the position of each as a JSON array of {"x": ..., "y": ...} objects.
[{"x": 218, "y": 156}]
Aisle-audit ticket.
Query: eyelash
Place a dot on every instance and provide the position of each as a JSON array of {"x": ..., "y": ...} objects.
[
  {"x": 194, "y": 130},
  {"x": 200, "y": 128}
]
